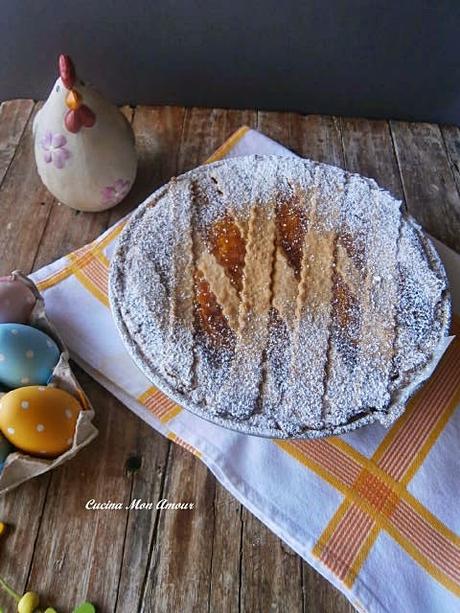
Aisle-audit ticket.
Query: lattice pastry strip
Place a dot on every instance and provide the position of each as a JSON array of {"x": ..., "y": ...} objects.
[
  {"x": 308, "y": 371},
  {"x": 379, "y": 306},
  {"x": 179, "y": 358},
  {"x": 245, "y": 373},
  {"x": 214, "y": 324},
  {"x": 221, "y": 286},
  {"x": 362, "y": 338}
]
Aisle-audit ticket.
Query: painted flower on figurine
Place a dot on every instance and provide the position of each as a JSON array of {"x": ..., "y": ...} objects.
[
  {"x": 54, "y": 149},
  {"x": 112, "y": 194}
]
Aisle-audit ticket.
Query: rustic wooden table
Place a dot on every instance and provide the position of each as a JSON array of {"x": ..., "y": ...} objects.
[{"x": 218, "y": 557}]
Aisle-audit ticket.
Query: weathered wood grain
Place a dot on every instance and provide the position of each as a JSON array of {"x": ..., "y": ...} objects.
[
  {"x": 271, "y": 572},
  {"x": 22, "y": 511},
  {"x": 317, "y": 137},
  {"x": 62, "y": 226},
  {"x": 368, "y": 150},
  {"x": 179, "y": 573},
  {"x": 224, "y": 589},
  {"x": 158, "y": 132},
  {"x": 275, "y": 125},
  {"x": 429, "y": 186},
  {"x": 13, "y": 120},
  {"x": 320, "y": 596},
  {"x": 150, "y": 453},
  {"x": 205, "y": 130},
  {"x": 25, "y": 206},
  {"x": 451, "y": 135},
  {"x": 78, "y": 552},
  {"x": 73, "y": 229}
]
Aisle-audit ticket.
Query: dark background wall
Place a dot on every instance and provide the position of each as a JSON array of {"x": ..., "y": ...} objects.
[{"x": 355, "y": 57}]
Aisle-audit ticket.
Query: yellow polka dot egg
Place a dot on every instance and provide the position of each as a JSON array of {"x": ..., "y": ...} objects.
[{"x": 39, "y": 420}]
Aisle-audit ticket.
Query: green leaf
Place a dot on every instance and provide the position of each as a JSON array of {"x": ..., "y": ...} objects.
[{"x": 85, "y": 607}]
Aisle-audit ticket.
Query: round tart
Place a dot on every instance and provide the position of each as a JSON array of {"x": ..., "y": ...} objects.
[{"x": 280, "y": 297}]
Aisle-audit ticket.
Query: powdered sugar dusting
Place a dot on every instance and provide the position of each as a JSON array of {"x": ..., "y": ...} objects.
[{"x": 313, "y": 351}]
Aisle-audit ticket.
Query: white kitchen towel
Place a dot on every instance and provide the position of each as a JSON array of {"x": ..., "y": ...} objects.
[{"x": 374, "y": 511}]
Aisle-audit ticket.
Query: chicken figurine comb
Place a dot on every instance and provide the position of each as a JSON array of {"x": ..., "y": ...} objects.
[{"x": 84, "y": 146}]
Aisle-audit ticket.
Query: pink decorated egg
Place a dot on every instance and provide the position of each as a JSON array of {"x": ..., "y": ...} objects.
[{"x": 16, "y": 301}]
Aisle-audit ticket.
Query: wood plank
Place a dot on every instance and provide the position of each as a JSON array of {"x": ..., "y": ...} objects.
[
  {"x": 226, "y": 548},
  {"x": 22, "y": 511},
  {"x": 26, "y": 204},
  {"x": 205, "y": 130},
  {"x": 23, "y": 218},
  {"x": 152, "y": 449},
  {"x": 317, "y": 137},
  {"x": 149, "y": 452},
  {"x": 158, "y": 132},
  {"x": 275, "y": 125},
  {"x": 368, "y": 150},
  {"x": 271, "y": 572},
  {"x": 429, "y": 186},
  {"x": 83, "y": 548},
  {"x": 320, "y": 596},
  {"x": 66, "y": 230},
  {"x": 179, "y": 574},
  {"x": 451, "y": 135},
  {"x": 13, "y": 120}
]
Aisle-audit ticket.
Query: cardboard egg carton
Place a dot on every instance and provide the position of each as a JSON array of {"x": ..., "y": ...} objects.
[{"x": 19, "y": 466}]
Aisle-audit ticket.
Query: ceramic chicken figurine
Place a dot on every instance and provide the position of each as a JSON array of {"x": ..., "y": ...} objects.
[{"x": 84, "y": 146}]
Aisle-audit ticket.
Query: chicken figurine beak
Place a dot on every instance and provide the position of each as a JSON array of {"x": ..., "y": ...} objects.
[{"x": 73, "y": 100}]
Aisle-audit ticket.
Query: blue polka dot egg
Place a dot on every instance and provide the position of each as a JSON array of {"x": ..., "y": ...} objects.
[{"x": 27, "y": 356}]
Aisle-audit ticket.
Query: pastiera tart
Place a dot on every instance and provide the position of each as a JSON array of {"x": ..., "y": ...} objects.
[{"x": 279, "y": 296}]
